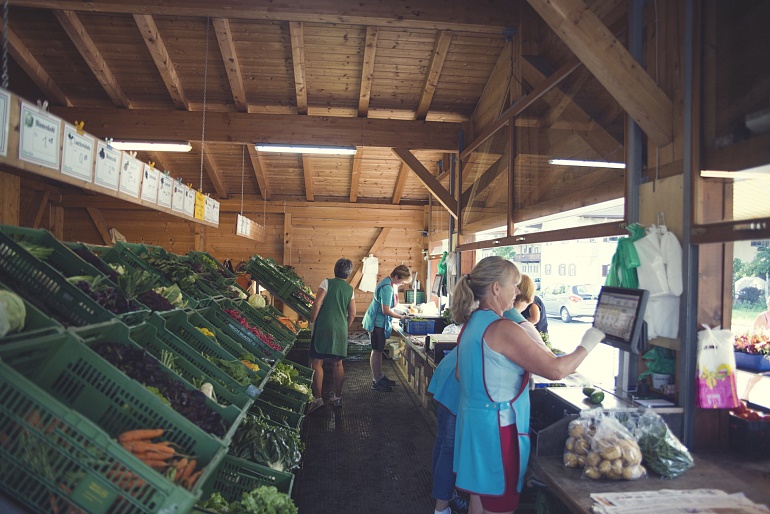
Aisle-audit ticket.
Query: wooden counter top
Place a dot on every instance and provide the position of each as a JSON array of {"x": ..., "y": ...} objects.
[{"x": 713, "y": 470}]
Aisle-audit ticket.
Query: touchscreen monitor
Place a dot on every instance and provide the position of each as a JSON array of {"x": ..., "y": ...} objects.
[{"x": 620, "y": 315}]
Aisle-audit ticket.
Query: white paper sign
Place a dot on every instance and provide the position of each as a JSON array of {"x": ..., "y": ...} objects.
[
  {"x": 150, "y": 184},
  {"x": 77, "y": 154},
  {"x": 208, "y": 215},
  {"x": 243, "y": 226},
  {"x": 189, "y": 202},
  {"x": 130, "y": 176},
  {"x": 216, "y": 212},
  {"x": 177, "y": 197},
  {"x": 107, "y": 169},
  {"x": 39, "y": 137},
  {"x": 5, "y": 113},
  {"x": 165, "y": 190}
]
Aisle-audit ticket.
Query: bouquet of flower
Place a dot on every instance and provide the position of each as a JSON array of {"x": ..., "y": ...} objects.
[{"x": 755, "y": 343}]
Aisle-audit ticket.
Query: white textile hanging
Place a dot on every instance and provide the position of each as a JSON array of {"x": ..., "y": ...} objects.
[{"x": 369, "y": 273}]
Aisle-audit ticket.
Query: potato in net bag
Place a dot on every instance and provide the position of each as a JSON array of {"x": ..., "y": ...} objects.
[
  {"x": 580, "y": 431},
  {"x": 614, "y": 453}
]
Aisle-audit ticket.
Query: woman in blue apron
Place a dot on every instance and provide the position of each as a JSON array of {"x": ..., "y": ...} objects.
[
  {"x": 378, "y": 322},
  {"x": 494, "y": 359}
]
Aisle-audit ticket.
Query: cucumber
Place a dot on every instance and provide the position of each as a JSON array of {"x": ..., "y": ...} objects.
[
  {"x": 588, "y": 391},
  {"x": 597, "y": 397}
]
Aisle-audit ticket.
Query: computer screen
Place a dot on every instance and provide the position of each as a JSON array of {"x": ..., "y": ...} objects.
[
  {"x": 620, "y": 315},
  {"x": 438, "y": 285}
]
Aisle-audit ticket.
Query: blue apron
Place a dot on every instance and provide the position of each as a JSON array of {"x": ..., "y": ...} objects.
[{"x": 375, "y": 308}]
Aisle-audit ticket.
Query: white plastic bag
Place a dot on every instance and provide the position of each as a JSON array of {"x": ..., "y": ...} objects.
[{"x": 716, "y": 370}]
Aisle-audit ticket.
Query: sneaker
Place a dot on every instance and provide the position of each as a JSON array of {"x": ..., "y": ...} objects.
[
  {"x": 335, "y": 401},
  {"x": 387, "y": 381},
  {"x": 317, "y": 404},
  {"x": 381, "y": 386},
  {"x": 459, "y": 505}
]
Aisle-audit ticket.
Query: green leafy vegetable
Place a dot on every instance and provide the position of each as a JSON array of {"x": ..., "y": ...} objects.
[{"x": 12, "y": 312}]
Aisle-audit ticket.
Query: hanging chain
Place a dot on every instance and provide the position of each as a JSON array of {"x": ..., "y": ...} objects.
[
  {"x": 205, "y": 88},
  {"x": 243, "y": 171},
  {"x": 5, "y": 44}
]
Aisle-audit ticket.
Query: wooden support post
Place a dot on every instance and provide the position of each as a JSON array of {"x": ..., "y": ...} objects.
[
  {"x": 101, "y": 224},
  {"x": 41, "y": 209},
  {"x": 56, "y": 221},
  {"x": 10, "y": 198}
]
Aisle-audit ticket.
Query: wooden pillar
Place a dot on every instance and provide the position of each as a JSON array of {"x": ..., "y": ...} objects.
[
  {"x": 56, "y": 221},
  {"x": 200, "y": 237},
  {"x": 10, "y": 198},
  {"x": 287, "y": 239}
]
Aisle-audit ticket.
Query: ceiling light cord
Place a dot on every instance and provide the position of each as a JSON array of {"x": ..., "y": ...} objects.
[
  {"x": 5, "y": 44},
  {"x": 205, "y": 89}
]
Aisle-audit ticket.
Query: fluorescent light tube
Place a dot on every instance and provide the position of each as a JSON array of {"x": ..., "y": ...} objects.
[
  {"x": 756, "y": 172},
  {"x": 327, "y": 150},
  {"x": 152, "y": 146},
  {"x": 589, "y": 164}
]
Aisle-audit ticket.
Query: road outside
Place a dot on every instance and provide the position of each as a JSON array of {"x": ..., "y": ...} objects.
[{"x": 601, "y": 365}]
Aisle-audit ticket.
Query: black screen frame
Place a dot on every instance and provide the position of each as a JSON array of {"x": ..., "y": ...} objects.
[
  {"x": 438, "y": 285},
  {"x": 633, "y": 343}
]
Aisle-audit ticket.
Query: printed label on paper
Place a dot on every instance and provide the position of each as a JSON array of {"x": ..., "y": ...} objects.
[
  {"x": 107, "y": 168},
  {"x": 150, "y": 184},
  {"x": 5, "y": 113},
  {"x": 39, "y": 137},
  {"x": 177, "y": 197},
  {"x": 131, "y": 176},
  {"x": 165, "y": 190},
  {"x": 77, "y": 154}
]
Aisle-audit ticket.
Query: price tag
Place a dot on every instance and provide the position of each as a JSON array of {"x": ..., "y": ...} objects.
[
  {"x": 131, "y": 176},
  {"x": 209, "y": 214},
  {"x": 5, "y": 113},
  {"x": 200, "y": 205},
  {"x": 165, "y": 190},
  {"x": 189, "y": 202},
  {"x": 243, "y": 226},
  {"x": 107, "y": 168},
  {"x": 150, "y": 184},
  {"x": 77, "y": 154},
  {"x": 215, "y": 219},
  {"x": 177, "y": 197},
  {"x": 39, "y": 137}
]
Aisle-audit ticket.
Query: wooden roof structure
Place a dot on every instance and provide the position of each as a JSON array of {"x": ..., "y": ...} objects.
[{"x": 400, "y": 82}]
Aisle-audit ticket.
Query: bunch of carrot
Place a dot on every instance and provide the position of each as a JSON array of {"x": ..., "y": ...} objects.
[{"x": 161, "y": 456}]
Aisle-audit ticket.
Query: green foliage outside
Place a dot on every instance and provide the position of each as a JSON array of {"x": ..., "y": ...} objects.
[
  {"x": 751, "y": 299},
  {"x": 506, "y": 252}
]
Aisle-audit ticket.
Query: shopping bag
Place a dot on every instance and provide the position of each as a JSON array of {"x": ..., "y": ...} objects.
[{"x": 716, "y": 370}]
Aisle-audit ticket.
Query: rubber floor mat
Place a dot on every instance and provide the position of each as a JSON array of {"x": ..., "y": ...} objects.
[{"x": 372, "y": 454}]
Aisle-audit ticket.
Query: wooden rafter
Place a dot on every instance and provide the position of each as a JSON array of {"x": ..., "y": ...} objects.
[
  {"x": 567, "y": 97},
  {"x": 355, "y": 174},
  {"x": 41, "y": 209},
  {"x": 259, "y": 172},
  {"x": 101, "y": 224},
  {"x": 440, "y": 50},
  {"x": 367, "y": 70},
  {"x": 245, "y": 128},
  {"x": 213, "y": 171},
  {"x": 307, "y": 171},
  {"x": 296, "y": 33},
  {"x": 486, "y": 178},
  {"x": 398, "y": 191},
  {"x": 428, "y": 180},
  {"x": 160, "y": 160},
  {"x": 376, "y": 247},
  {"x": 612, "y": 65},
  {"x": 230, "y": 59},
  {"x": 159, "y": 53},
  {"x": 77, "y": 33},
  {"x": 32, "y": 67}
]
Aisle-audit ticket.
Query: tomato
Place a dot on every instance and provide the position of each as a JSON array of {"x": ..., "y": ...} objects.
[
  {"x": 752, "y": 415},
  {"x": 766, "y": 418},
  {"x": 742, "y": 407}
]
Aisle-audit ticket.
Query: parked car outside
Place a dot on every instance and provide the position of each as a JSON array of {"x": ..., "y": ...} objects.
[{"x": 567, "y": 301}]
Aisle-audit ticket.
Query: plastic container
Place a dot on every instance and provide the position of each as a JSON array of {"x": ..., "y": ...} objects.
[
  {"x": 236, "y": 476},
  {"x": 205, "y": 259},
  {"x": 659, "y": 380},
  {"x": 749, "y": 437},
  {"x": 277, "y": 398},
  {"x": 262, "y": 319},
  {"x": 227, "y": 324},
  {"x": 418, "y": 327},
  {"x": 277, "y": 415},
  {"x": 36, "y": 323}
]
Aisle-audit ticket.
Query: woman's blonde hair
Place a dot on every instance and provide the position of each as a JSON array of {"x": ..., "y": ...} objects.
[
  {"x": 474, "y": 287},
  {"x": 401, "y": 272},
  {"x": 526, "y": 290}
]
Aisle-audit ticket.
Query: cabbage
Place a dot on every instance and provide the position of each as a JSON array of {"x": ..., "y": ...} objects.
[
  {"x": 12, "y": 312},
  {"x": 257, "y": 301}
]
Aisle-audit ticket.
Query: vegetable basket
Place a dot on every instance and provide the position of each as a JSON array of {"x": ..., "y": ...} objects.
[
  {"x": 68, "y": 263},
  {"x": 284, "y": 401},
  {"x": 295, "y": 298},
  {"x": 222, "y": 339},
  {"x": 46, "y": 288},
  {"x": 63, "y": 405},
  {"x": 205, "y": 259},
  {"x": 285, "y": 391},
  {"x": 277, "y": 415},
  {"x": 36, "y": 323},
  {"x": 261, "y": 319},
  {"x": 267, "y": 275},
  {"x": 236, "y": 476},
  {"x": 195, "y": 367},
  {"x": 116, "y": 332},
  {"x": 227, "y": 324}
]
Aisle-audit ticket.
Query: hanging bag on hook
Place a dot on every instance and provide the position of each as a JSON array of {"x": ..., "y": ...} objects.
[{"x": 716, "y": 370}]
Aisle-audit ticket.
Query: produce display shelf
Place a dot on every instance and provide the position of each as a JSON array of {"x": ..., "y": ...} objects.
[
  {"x": 36, "y": 323},
  {"x": 281, "y": 334},
  {"x": 294, "y": 303},
  {"x": 228, "y": 343},
  {"x": 277, "y": 415},
  {"x": 68, "y": 263},
  {"x": 268, "y": 275},
  {"x": 204, "y": 259},
  {"x": 116, "y": 332},
  {"x": 277, "y": 398},
  {"x": 223, "y": 321},
  {"x": 67, "y": 370},
  {"x": 197, "y": 291},
  {"x": 46, "y": 288},
  {"x": 285, "y": 391}
]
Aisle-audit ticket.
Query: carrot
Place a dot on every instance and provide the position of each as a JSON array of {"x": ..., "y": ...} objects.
[
  {"x": 155, "y": 464},
  {"x": 145, "y": 447},
  {"x": 33, "y": 418},
  {"x": 189, "y": 482},
  {"x": 144, "y": 434},
  {"x": 131, "y": 483},
  {"x": 187, "y": 470}
]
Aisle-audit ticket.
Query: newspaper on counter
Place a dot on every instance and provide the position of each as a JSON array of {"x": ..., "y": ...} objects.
[{"x": 692, "y": 501}]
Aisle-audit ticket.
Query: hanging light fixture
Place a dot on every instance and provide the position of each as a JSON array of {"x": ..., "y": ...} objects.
[
  {"x": 307, "y": 149},
  {"x": 152, "y": 146},
  {"x": 588, "y": 164}
]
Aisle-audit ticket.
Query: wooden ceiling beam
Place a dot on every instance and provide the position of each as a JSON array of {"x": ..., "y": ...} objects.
[
  {"x": 355, "y": 174},
  {"x": 612, "y": 65},
  {"x": 307, "y": 171},
  {"x": 428, "y": 180},
  {"x": 230, "y": 59},
  {"x": 398, "y": 191},
  {"x": 440, "y": 50},
  {"x": 296, "y": 34},
  {"x": 77, "y": 33},
  {"x": 370, "y": 49},
  {"x": 36, "y": 72},
  {"x": 487, "y": 177},
  {"x": 159, "y": 53},
  {"x": 490, "y": 17},
  {"x": 259, "y": 172},
  {"x": 245, "y": 128},
  {"x": 213, "y": 171},
  {"x": 101, "y": 224}
]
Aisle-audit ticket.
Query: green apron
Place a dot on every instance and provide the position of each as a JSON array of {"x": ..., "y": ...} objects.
[{"x": 330, "y": 330}]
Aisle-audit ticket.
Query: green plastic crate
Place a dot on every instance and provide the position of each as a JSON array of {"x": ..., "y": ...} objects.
[
  {"x": 281, "y": 335},
  {"x": 75, "y": 451},
  {"x": 236, "y": 476},
  {"x": 305, "y": 374},
  {"x": 233, "y": 392},
  {"x": 228, "y": 343},
  {"x": 227, "y": 276},
  {"x": 178, "y": 324},
  {"x": 226, "y": 323},
  {"x": 283, "y": 401},
  {"x": 292, "y": 299},
  {"x": 267, "y": 275},
  {"x": 46, "y": 288},
  {"x": 116, "y": 332},
  {"x": 277, "y": 415},
  {"x": 36, "y": 323},
  {"x": 291, "y": 393},
  {"x": 66, "y": 369}
]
